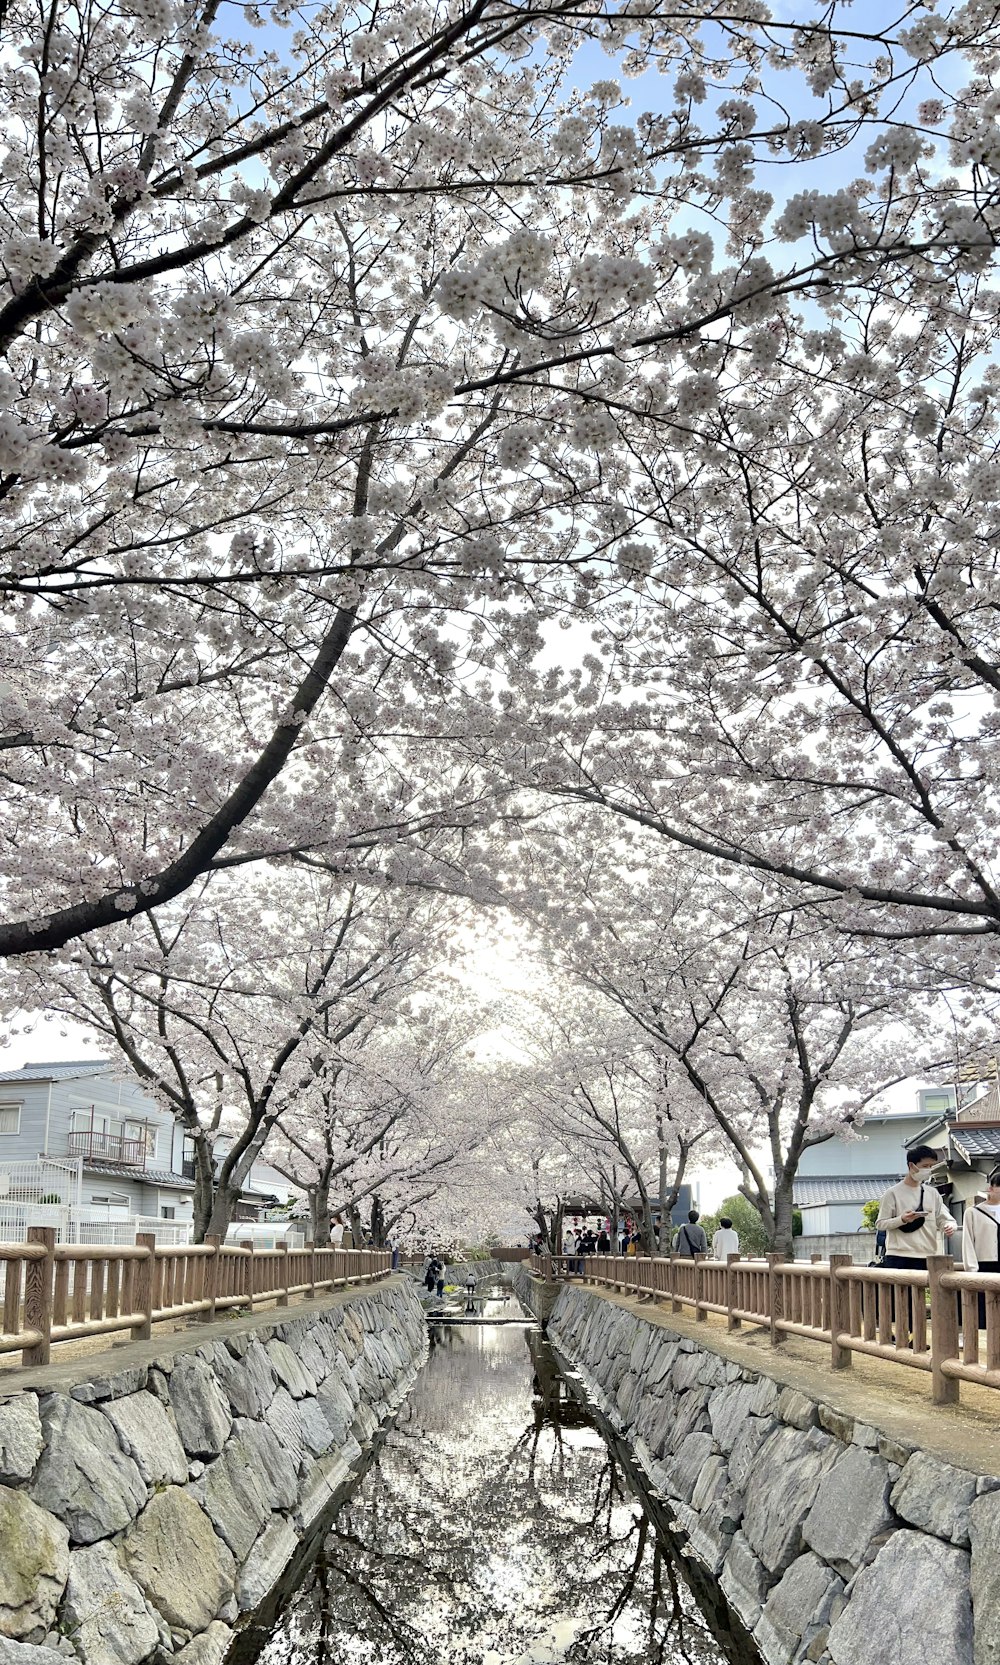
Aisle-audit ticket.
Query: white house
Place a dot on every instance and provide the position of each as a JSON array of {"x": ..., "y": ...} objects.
[{"x": 85, "y": 1149}]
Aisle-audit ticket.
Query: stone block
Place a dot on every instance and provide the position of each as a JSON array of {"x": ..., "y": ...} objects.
[
  {"x": 322, "y": 1485},
  {"x": 728, "y": 1411},
  {"x": 851, "y": 1508},
  {"x": 266, "y": 1563},
  {"x": 282, "y": 1417},
  {"x": 913, "y": 1598},
  {"x": 106, "y": 1612},
  {"x": 935, "y": 1496},
  {"x": 837, "y": 1423},
  {"x": 745, "y": 1582},
  {"x": 290, "y": 1371},
  {"x": 200, "y": 1406},
  {"x": 233, "y": 1495},
  {"x": 984, "y": 1533},
  {"x": 796, "y": 1609},
  {"x": 147, "y": 1435},
  {"x": 766, "y": 1402},
  {"x": 686, "y": 1467},
  {"x": 797, "y": 1409},
  {"x": 780, "y": 1492},
  {"x": 84, "y": 1476},
  {"x": 210, "y": 1648},
  {"x": 314, "y": 1426},
  {"x": 713, "y": 1371},
  {"x": 686, "y": 1371},
  {"x": 28, "y": 1653},
  {"x": 713, "y": 1532},
  {"x": 20, "y": 1438},
  {"x": 248, "y": 1382},
  {"x": 183, "y": 1566},
  {"x": 690, "y": 1416},
  {"x": 34, "y": 1564},
  {"x": 712, "y": 1482},
  {"x": 275, "y": 1470},
  {"x": 116, "y": 1386},
  {"x": 741, "y": 1457}
]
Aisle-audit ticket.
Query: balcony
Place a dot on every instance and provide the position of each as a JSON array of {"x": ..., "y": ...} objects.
[{"x": 108, "y": 1147}]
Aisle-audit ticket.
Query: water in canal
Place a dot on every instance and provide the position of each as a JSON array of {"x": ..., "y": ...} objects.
[{"x": 496, "y": 1527}]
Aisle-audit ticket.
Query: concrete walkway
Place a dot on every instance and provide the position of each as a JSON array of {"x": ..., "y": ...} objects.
[{"x": 88, "y": 1360}]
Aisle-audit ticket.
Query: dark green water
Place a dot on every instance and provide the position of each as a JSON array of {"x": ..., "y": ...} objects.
[{"x": 496, "y": 1527}]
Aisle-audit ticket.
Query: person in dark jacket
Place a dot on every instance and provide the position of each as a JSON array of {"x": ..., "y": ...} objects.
[{"x": 691, "y": 1239}]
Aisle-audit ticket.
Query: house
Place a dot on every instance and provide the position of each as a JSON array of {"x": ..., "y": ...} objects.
[
  {"x": 84, "y": 1148},
  {"x": 835, "y": 1179},
  {"x": 84, "y": 1136}
]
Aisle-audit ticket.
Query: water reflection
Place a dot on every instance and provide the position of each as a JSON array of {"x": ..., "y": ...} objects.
[{"x": 495, "y": 1528}]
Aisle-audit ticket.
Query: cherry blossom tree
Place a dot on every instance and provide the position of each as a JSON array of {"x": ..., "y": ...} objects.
[
  {"x": 233, "y": 1010},
  {"x": 602, "y": 1090},
  {"x": 333, "y": 358},
  {"x": 395, "y": 1110},
  {"x": 783, "y": 1031}
]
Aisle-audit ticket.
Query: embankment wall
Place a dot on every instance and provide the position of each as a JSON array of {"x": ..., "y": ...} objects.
[
  {"x": 145, "y": 1509},
  {"x": 832, "y": 1541}
]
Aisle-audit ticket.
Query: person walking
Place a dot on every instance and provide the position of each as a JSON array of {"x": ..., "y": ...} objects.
[
  {"x": 603, "y": 1242},
  {"x": 912, "y": 1214},
  {"x": 981, "y": 1235},
  {"x": 725, "y": 1241},
  {"x": 691, "y": 1239}
]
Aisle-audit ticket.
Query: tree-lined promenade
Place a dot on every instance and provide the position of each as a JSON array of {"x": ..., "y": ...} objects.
[{"x": 518, "y": 471}]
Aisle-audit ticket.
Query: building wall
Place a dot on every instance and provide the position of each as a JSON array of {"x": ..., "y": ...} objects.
[{"x": 880, "y": 1150}]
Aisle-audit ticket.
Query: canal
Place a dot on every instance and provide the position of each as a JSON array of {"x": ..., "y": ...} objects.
[{"x": 496, "y": 1526}]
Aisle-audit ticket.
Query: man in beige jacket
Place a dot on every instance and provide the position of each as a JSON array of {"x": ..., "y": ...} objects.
[{"x": 912, "y": 1214}]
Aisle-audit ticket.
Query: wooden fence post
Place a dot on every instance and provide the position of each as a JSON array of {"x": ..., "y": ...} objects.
[
  {"x": 775, "y": 1297},
  {"x": 210, "y": 1289},
  {"x": 143, "y": 1286},
  {"x": 699, "y": 1311},
  {"x": 732, "y": 1322},
  {"x": 944, "y": 1329},
  {"x": 311, "y": 1266},
  {"x": 676, "y": 1304},
  {"x": 840, "y": 1313},
  {"x": 248, "y": 1270},
  {"x": 38, "y": 1295},
  {"x": 283, "y": 1274}
]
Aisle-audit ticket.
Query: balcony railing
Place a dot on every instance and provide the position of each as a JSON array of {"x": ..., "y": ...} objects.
[{"x": 108, "y": 1147}]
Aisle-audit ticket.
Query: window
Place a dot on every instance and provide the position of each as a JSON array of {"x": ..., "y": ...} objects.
[
  {"x": 168, "y": 1213},
  {"x": 142, "y": 1134},
  {"x": 10, "y": 1118},
  {"x": 111, "y": 1199}
]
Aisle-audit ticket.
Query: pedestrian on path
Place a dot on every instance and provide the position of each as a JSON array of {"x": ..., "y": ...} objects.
[
  {"x": 981, "y": 1235},
  {"x": 913, "y": 1215},
  {"x": 691, "y": 1239},
  {"x": 726, "y": 1241}
]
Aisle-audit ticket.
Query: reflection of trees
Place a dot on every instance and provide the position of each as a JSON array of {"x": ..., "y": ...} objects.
[{"x": 488, "y": 1522}]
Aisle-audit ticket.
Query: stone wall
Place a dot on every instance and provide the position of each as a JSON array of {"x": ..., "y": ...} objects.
[
  {"x": 143, "y": 1512},
  {"x": 831, "y": 1541}
]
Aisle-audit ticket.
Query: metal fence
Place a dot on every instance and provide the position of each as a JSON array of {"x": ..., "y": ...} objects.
[
  {"x": 62, "y": 1292},
  {"x": 925, "y": 1320}
]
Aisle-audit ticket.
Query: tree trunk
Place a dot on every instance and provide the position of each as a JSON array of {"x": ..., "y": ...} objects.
[
  {"x": 204, "y": 1186},
  {"x": 781, "y": 1238},
  {"x": 224, "y": 1202}
]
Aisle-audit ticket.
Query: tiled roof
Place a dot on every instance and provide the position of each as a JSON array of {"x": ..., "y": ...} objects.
[
  {"x": 975, "y": 1142},
  {"x": 840, "y": 1188},
  {"x": 57, "y": 1072},
  {"x": 146, "y": 1176}
]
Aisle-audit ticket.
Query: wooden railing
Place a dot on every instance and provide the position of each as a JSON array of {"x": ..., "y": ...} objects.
[
  {"x": 63, "y": 1292},
  {"x": 853, "y": 1309}
]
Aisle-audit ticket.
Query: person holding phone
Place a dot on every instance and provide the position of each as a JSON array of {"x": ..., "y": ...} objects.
[{"x": 913, "y": 1214}]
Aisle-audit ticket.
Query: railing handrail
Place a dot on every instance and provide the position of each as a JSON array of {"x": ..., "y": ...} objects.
[
  {"x": 61, "y": 1292},
  {"x": 851, "y": 1308}
]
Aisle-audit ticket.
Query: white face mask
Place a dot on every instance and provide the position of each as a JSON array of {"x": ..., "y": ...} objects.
[{"x": 922, "y": 1176}]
